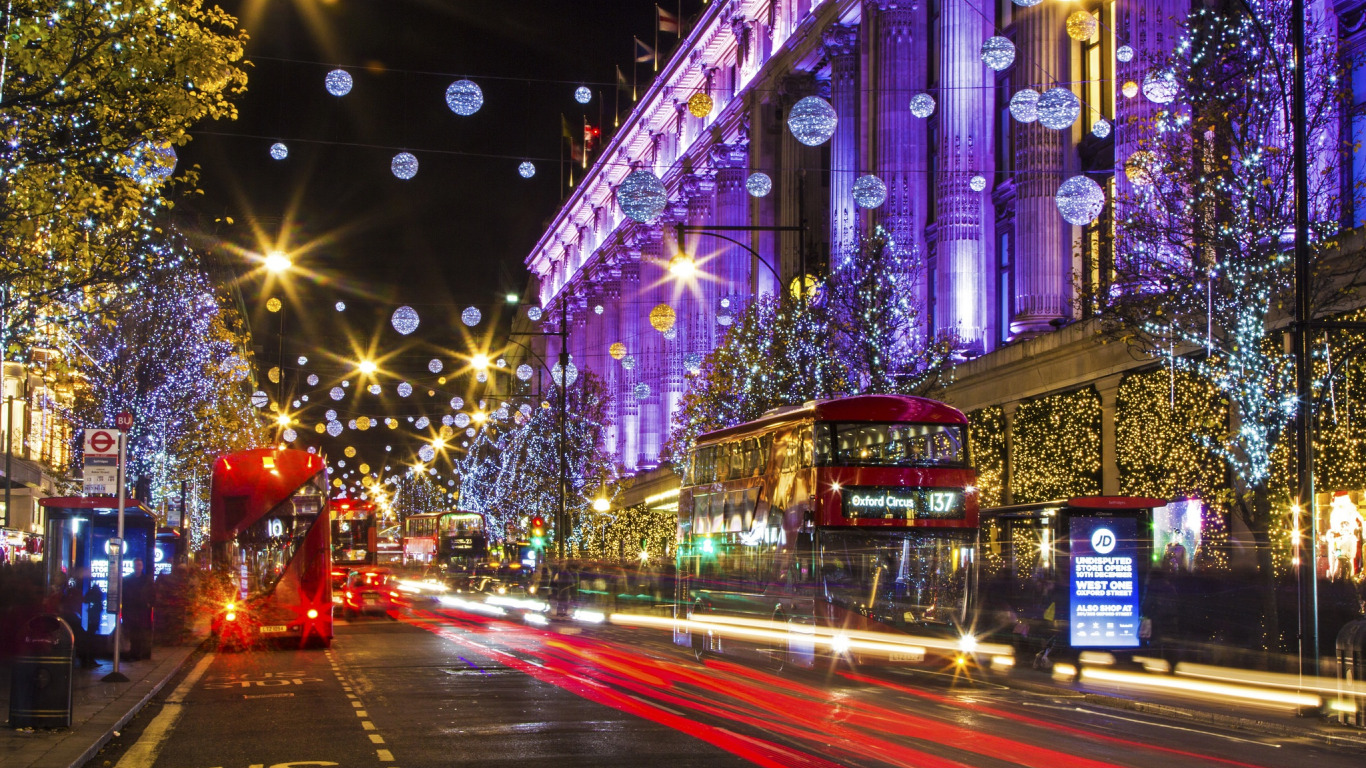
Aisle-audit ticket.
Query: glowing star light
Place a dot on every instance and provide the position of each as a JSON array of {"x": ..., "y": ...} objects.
[
  {"x": 812, "y": 121},
  {"x": 338, "y": 82},
  {"x": 642, "y": 196},
  {"x": 464, "y": 97},
  {"x": 404, "y": 165},
  {"x": 405, "y": 320},
  {"x": 758, "y": 184}
]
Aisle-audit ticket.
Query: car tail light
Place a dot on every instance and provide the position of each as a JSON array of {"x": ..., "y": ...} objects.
[
  {"x": 348, "y": 594},
  {"x": 393, "y": 594}
]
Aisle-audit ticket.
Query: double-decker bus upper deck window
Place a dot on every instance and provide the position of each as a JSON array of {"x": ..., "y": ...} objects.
[
  {"x": 893, "y": 445},
  {"x": 265, "y": 548}
]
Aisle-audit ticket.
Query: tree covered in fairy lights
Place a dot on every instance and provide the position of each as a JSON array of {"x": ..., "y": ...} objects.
[
  {"x": 856, "y": 334},
  {"x": 1203, "y": 274},
  {"x": 512, "y": 468},
  {"x": 95, "y": 98},
  {"x": 169, "y": 349},
  {"x": 417, "y": 492}
]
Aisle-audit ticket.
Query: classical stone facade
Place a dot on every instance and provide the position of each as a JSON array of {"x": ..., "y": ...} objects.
[{"x": 1001, "y": 264}]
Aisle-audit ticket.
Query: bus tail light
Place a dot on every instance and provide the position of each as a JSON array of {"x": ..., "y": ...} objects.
[
  {"x": 312, "y": 613},
  {"x": 230, "y": 616}
]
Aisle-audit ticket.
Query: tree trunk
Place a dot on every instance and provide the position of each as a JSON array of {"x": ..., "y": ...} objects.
[{"x": 1259, "y": 523}]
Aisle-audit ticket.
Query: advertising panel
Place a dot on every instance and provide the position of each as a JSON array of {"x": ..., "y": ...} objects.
[{"x": 1104, "y": 576}]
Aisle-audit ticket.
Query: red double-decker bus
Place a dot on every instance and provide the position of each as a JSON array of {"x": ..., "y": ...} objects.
[
  {"x": 355, "y": 532},
  {"x": 271, "y": 543},
  {"x": 842, "y": 528}
]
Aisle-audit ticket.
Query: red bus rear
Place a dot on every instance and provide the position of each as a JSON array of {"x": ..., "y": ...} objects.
[
  {"x": 841, "y": 528},
  {"x": 268, "y": 528}
]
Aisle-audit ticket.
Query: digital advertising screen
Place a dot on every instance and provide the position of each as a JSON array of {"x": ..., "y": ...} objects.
[{"x": 1104, "y": 588}]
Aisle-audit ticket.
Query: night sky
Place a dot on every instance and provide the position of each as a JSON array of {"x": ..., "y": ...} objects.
[{"x": 453, "y": 236}]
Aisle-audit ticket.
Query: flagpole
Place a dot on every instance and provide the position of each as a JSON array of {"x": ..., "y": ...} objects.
[{"x": 656, "y": 37}]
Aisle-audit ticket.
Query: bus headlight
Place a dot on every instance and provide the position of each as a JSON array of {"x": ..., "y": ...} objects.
[
  {"x": 967, "y": 644},
  {"x": 839, "y": 644}
]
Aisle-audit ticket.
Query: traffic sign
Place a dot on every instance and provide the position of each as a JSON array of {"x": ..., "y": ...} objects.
[
  {"x": 101, "y": 442},
  {"x": 124, "y": 421}
]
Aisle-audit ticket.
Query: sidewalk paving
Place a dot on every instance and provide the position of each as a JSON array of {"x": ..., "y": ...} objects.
[{"x": 98, "y": 709}]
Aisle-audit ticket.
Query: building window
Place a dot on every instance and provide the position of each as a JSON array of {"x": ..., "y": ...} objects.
[
  {"x": 932, "y": 164},
  {"x": 1005, "y": 282},
  {"x": 1005, "y": 142},
  {"x": 1354, "y": 212},
  {"x": 1097, "y": 70}
]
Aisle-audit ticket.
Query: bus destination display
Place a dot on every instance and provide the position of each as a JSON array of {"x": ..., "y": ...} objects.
[
  {"x": 897, "y": 503},
  {"x": 1104, "y": 612}
]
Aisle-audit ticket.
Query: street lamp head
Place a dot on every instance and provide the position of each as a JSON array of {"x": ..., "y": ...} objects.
[
  {"x": 283, "y": 420},
  {"x": 512, "y": 298},
  {"x": 367, "y": 367},
  {"x": 439, "y": 443},
  {"x": 480, "y": 361},
  {"x": 480, "y": 417},
  {"x": 682, "y": 265},
  {"x": 601, "y": 504},
  {"x": 277, "y": 261}
]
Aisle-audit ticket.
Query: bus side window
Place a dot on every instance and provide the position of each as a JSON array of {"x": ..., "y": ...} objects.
[{"x": 821, "y": 447}]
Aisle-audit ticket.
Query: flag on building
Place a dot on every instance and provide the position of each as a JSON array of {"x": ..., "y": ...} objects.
[
  {"x": 643, "y": 52},
  {"x": 622, "y": 85},
  {"x": 668, "y": 22}
]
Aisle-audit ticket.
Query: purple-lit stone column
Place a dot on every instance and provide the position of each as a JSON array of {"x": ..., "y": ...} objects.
[
  {"x": 1042, "y": 252},
  {"x": 627, "y": 319},
  {"x": 607, "y": 368},
  {"x": 731, "y": 264},
  {"x": 651, "y": 361},
  {"x": 899, "y": 138},
  {"x": 842, "y": 49},
  {"x": 964, "y": 138}
]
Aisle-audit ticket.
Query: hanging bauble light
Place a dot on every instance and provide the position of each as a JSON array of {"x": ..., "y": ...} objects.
[
  {"x": 303, "y": 360},
  {"x": 462, "y": 420},
  {"x": 617, "y": 350},
  {"x": 642, "y": 391},
  {"x": 524, "y": 372},
  {"x": 582, "y": 95},
  {"x": 405, "y": 320},
  {"x": 340, "y": 306},
  {"x": 334, "y": 428},
  {"x": 1160, "y": 86},
  {"x": 922, "y": 105},
  {"x": 628, "y": 362},
  {"x": 338, "y": 82},
  {"x": 670, "y": 333},
  {"x": 1082, "y": 26},
  {"x": 464, "y": 98},
  {"x": 320, "y": 428},
  {"x": 1100, "y": 128},
  {"x": 363, "y": 423},
  {"x": 725, "y": 317},
  {"x": 812, "y": 121},
  {"x": 435, "y": 365},
  {"x": 481, "y": 376},
  {"x": 457, "y": 403},
  {"x": 426, "y": 453},
  {"x": 259, "y": 399},
  {"x": 1024, "y": 105},
  {"x": 533, "y": 313},
  {"x": 758, "y": 184},
  {"x": 998, "y": 52},
  {"x": 1129, "y": 89},
  {"x": 274, "y": 374},
  {"x": 373, "y": 389},
  {"x": 1027, "y": 3},
  {"x": 1058, "y": 108},
  {"x": 279, "y": 151},
  {"x": 977, "y": 183},
  {"x": 152, "y": 162},
  {"x": 527, "y": 169},
  {"x": 570, "y": 374},
  {"x": 404, "y": 165},
  {"x": 330, "y": 415},
  {"x": 289, "y": 435},
  {"x": 642, "y": 196},
  {"x": 1080, "y": 200},
  {"x": 471, "y": 316},
  {"x": 273, "y": 304},
  {"x": 337, "y": 393},
  {"x": 662, "y": 317},
  {"x": 1139, "y": 168},
  {"x": 869, "y": 191},
  {"x": 692, "y": 363},
  {"x": 1125, "y": 53},
  {"x": 312, "y": 379},
  {"x": 422, "y": 422},
  {"x": 700, "y": 104},
  {"x": 404, "y": 389},
  {"x": 597, "y": 309}
]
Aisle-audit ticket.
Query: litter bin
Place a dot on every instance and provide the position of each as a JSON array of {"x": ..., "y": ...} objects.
[
  {"x": 1352, "y": 673},
  {"x": 40, "y": 681}
]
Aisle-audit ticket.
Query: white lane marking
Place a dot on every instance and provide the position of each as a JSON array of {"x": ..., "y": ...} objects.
[
  {"x": 144, "y": 752},
  {"x": 1112, "y": 716},
  {"x": 385, "y": 756}
]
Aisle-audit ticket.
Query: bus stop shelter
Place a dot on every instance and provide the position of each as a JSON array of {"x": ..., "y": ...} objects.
[{"x": 78, "y": 531}]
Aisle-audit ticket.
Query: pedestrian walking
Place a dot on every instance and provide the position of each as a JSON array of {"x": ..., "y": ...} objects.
[{"x": 139, "y": 597}]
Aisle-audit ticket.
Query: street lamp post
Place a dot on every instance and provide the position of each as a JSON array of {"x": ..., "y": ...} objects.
[{"x": 715, "y": 231}]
